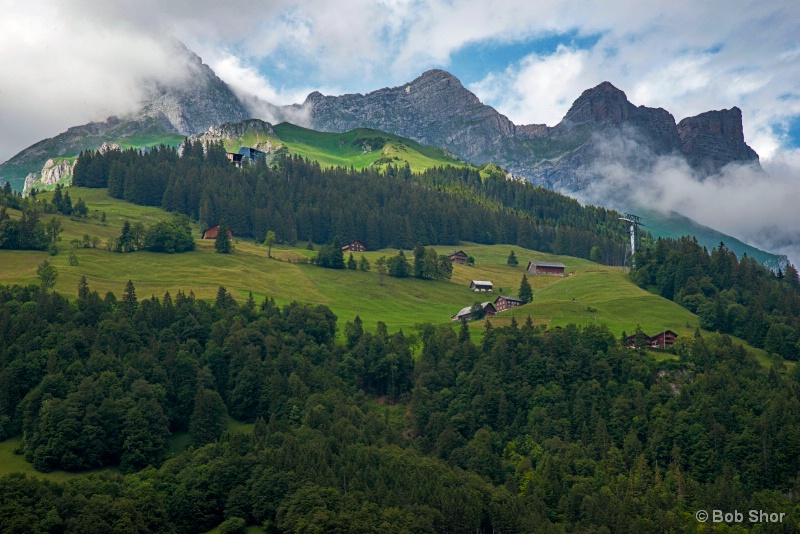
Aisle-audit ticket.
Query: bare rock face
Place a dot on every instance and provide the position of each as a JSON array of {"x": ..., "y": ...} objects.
[
  {"x": 434, "y": 109},
  {"x": 261, "y": 134},
  {"x": 713, "y": 139},
  {"x": 54, "y": 172},
  {"x": 602, "y": 127}
]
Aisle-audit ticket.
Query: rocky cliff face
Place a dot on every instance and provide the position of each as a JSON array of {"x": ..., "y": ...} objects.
[
  {"x": 713, "y": 139},
  {"x": 190, "y": 107},
  {"x": 435, "y": 109},
  {"x": 601, "y": 127}
]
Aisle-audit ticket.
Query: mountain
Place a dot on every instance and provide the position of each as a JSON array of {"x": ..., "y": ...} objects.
[
  {"x": 601, "y": 127},
  {"x": 168, "y": 113}
]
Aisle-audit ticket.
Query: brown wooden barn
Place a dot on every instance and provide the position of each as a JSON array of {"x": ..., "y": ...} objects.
[
  {"x": 481, "y": 285},
  {"x": 503, "y": 303},
  {"x": 355, "y": 246},
  {"x": 460, "y": 257},
  {"x": 662, "y": 340},
  {"x": 546, "y": 267},
  {"x": 212, "y": 233}
]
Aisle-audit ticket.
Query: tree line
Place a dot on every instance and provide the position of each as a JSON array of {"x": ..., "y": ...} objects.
[{"x": 393, "y": 207}]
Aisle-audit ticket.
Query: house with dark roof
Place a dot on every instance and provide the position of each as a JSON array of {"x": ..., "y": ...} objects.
[
  {"x": 485, "y": 309},
  {"x": 546, "y": 267},
  {"x": 481, "y": 285},
  {"x": 460, "y": 257},
  {"x": 662, "y": 340},
  {"x": 502, "y": 303}
]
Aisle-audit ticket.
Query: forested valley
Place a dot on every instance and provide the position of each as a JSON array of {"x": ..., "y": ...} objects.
[
  {"x": 391, "y": 207},
  {"x": 359, "y": 430}
]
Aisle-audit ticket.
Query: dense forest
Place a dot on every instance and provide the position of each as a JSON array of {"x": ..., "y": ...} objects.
[
  {"x": 367, "y": 431},
  {"x": 393, "y": 207},
  {"x": 738, "y": 297}
]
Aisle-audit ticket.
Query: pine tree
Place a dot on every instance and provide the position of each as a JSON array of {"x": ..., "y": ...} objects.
[
  {"x": 129, "y": 302},
  {"x": 512, "y": 259},
  {"x": 223, "y": 242},
  {"x": 351, "y": 263},
  {"x": 525, "y": 292}
]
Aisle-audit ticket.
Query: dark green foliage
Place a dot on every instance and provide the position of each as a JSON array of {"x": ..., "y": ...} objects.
[
  {"x": 525, "y": 293},
  {"x": 363, "y": 264},
  {"x": 222, "y": 244},
  {"x": 430, "y": 266},
  {"x": 512, "y": 259},
  {"x": 209, "y": 418},
  {"x": 398, "y": 266},
  {"x": 351, "y": 263},
  {"x": 530, "y": 431},
  {"x": 170, "y": 236},
  {"x": 28, "y": 233},
  {"x": 331, "y": 256},
  {"x": 738, "y": 297},
  {"x": 390, "y": 208}
]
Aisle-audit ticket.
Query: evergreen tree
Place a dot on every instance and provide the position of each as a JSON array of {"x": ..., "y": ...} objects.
[
  {"x": 380, "y": 266},
  {"x": 129, "y": 301},
  {"x": 398, "y": 266},
  {"x": 209, "y": 418},
  {"x": 525, "y": 293},
  {"x": 351, "y": 263},
  {"x": 512, "y": 259},
  {"x": 363, "y": 264},
  {"x": 222, "y": 244}
]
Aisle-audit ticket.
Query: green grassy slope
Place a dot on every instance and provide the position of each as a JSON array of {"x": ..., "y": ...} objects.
[
  {"x": 357, "y": 148},
  {"x": 398, "y": 303}
]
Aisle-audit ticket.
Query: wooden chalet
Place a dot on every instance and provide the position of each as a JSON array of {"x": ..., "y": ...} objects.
[
  {"x": 460, "y": 257},
  {"x": 212, "y": 233},
  {"x": 355, "y": 246},
  {"x": 481, "y": 285},
  {"x": 468, "y": 314},
  {"x": 502, "y": 303},
  {"x": 546, "y": 267},
  {"x": 662, "y": 340}
]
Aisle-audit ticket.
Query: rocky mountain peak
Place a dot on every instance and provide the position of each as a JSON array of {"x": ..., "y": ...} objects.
[
  {"x": 713, "y": 139},
  {"x": 600, "y": 104}
]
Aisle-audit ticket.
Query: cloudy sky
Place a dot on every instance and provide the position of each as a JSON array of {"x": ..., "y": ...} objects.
[{"x": 69, "y": 62}]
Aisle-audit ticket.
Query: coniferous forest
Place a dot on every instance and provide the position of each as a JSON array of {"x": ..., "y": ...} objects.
[
  {"x": 394, "y": 207},
  {"x": 738, "y": 297},
  {"x": 421, "y": 431}
]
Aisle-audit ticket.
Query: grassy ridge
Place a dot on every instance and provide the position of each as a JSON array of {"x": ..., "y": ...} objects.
[{"x": 358, "y": 148}]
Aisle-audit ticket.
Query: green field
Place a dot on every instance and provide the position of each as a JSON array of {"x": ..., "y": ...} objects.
[
  {"x": 400, "y": 303},
  {"x": 358, "y": 148}
]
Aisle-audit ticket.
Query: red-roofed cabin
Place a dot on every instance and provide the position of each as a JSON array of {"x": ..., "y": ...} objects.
[
  {"x": 664, "y": 339},
  {"x": 212, "y": 233}
]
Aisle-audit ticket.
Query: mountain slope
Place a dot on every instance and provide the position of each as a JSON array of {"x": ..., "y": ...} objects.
[
  {"x": 167, "y": 114},
  {"x": 437, "y": 109}
]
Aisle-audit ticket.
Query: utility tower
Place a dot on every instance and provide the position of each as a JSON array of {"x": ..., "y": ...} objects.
[{"x": 634, "y": 222}]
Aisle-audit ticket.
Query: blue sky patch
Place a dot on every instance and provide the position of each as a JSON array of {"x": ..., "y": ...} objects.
[{"x": 475, "y": 61}]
